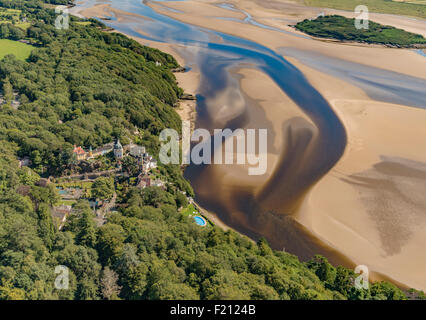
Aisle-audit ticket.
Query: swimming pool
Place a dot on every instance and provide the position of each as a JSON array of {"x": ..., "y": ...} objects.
[{"x": 200, "y": 221}]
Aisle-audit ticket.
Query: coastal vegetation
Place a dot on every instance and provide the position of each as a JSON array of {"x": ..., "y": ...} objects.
[
  {"x": 15, "y": 17},
  {"x": 86, "y": 87},
  {"x": 414, "y": 8},
  {"x": 341, "y": 28}
]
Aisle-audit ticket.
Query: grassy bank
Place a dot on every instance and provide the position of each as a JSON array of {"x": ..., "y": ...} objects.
[
  {"x": 414, "y": 8},
  {"x": 341, "y": 28}
]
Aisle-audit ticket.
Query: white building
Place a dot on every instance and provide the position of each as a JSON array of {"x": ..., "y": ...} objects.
[
  {"x": 118, "y": 150},
  {"x": 137, "y": 151}
]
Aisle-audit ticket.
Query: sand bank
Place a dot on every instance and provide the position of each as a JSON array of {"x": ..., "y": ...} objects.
[
  {"x": 371, "y": 204},
  {"x": 105, "y": 11}
]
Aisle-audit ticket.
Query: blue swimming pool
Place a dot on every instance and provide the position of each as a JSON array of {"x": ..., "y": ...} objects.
[{"x": 200, "y": 221}]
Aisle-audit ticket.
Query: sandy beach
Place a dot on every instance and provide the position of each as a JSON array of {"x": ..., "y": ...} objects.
[{"x": 371, "y": 205}]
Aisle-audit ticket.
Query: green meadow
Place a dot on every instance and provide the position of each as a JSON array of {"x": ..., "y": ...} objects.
[{"x": 20, "y": 50}]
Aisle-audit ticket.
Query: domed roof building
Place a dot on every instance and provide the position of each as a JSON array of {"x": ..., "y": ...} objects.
[{"x": 118, "y": 150}]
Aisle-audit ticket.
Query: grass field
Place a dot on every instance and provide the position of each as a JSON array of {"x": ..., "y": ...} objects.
[
  {"x": 20, "y": 50},
  {"x": 83, "y": 23},
  {"x": 66, "y": 202},
  {"x": 189, "y": 211},
  {"x": 414, "y": 8}
]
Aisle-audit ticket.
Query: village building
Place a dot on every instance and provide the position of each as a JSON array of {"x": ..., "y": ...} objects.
[
  {"x": 118, "y": 150},
  {"x": 136, "y": 151},
  {"x": 90, "y": 153},
  {"x": 149, "y": 162},
  {"x": 158, "y": 183},
  {"x": 79, "y": 153},
  {"x": 101, "y": 151}
]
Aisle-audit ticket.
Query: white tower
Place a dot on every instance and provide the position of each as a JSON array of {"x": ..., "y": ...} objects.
[{"x": 118, "y": 150}]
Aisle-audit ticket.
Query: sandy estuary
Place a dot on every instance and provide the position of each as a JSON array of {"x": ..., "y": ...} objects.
[{"x": 346, "y": 174}]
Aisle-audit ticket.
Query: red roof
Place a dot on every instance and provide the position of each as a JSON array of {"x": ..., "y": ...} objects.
[{"x": 79, "y": 150}]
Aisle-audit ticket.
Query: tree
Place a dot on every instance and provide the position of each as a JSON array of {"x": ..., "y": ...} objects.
[
  {"x": 7, "y": 91},
  {"x": 344, "y": 281},
  {"x": 81, "y": 222},
  {"x": 155, "y": 196},
  {"x": 103, "y": 188},
  {"x": 4, "y": 31},
  {"x": 47, "y": 229},
  {"x": 16, "y": 33},
  {"x": 386, "y": 291},
  {"x": 323, "y": 269},
  {"x": 130, "y": 166},
  {"x": 109, "y": 287},
  {"x": 47, "y": 194},
  {"x": 27, "y": 176},
  {"x": 37, "y": 160},
  {"x": 181, "y": 200},
  {"x": 110, "y": 242}
]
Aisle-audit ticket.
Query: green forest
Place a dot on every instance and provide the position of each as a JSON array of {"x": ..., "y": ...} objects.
[
  {"x": 86, "y": 86},
  {"x": 341, "y": 28}
]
